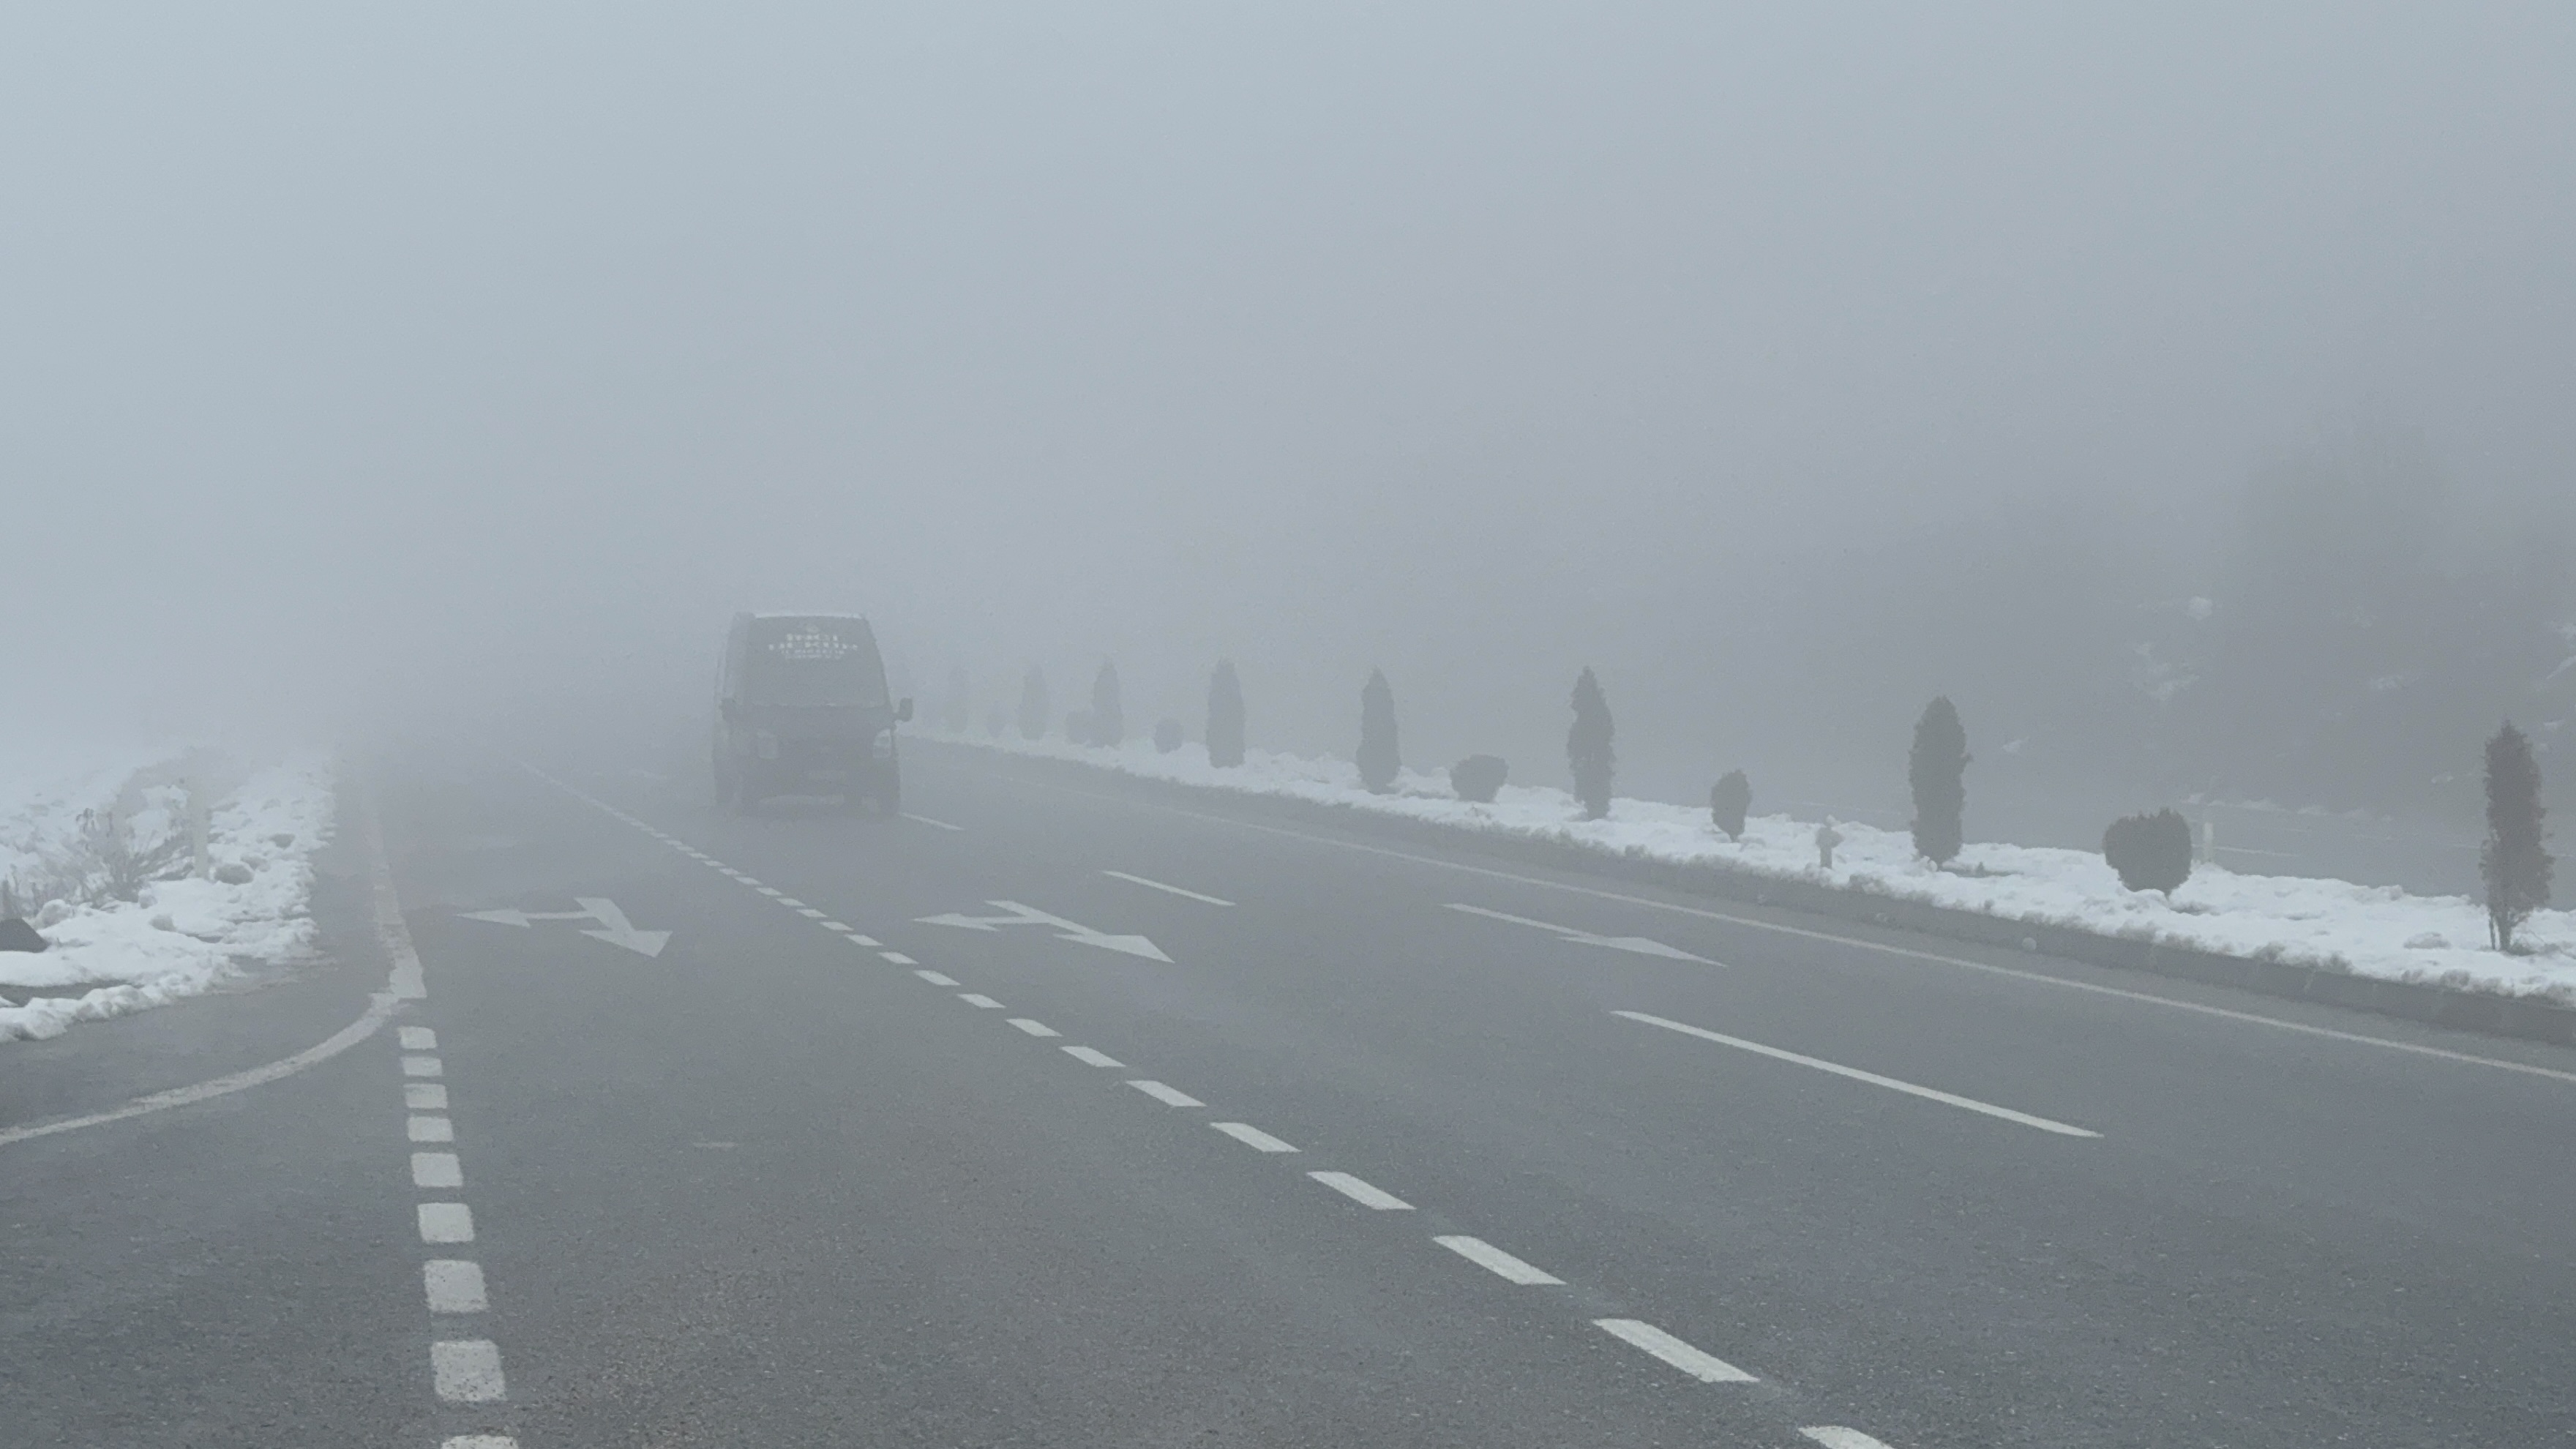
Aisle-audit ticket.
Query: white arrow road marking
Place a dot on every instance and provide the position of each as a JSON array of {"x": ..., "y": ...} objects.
[
  {"x": 612, "y": 925},
  {"x": 1021, "y": 915},
  {"x": 1639, "y": 944}
]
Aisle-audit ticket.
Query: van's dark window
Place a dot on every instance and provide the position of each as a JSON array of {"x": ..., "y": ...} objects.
[{"x": 812, "y": 661}]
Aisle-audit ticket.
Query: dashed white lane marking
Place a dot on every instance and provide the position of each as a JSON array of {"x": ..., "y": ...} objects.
[
  {"x": 467, "y": 1371},
  {"x": 855, "y": 939},
  {"x": 832, "y": 925},
  {"x": 1092, "y": 1057},
  {"x": 936, "y": 978},
  {"x": 430, "y": 1129},
  {"x": 479, "y": 1441},
  {"x": 1497, "y": 1262},
  {"x": 446, "y": 1222},
  {"x": 425, "y": 1096},
  {"x": 897, "y": 957},
  {"x": 791, "y": 903},
  {"x": 1835, "y": 1436},
  {"x": 437, "y": 1169},
  {"x": 1168, "y": 1096},
  {"x": 1252, "y": 1137},
  {"x": 1367, "y": 1195},
  {"x": 421, "y": 1067},
  {"x": 454, "y": 1286},
  {"x": 1856, "y": 1074},
  {"x": 416, "y": 1038},
  {"x": 773, "y": 892},
  {"x": 977, "y": 998},
  {"x": 811, "y": 914},
  {"x": 926, "y": 820},
  {"x": 1034, "y": 1028},
  {"x": 1707, "y": 1368},
  {"x": 1158, "y": 885}
]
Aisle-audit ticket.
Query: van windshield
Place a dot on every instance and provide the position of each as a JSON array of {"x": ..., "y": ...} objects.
[{"x": 813, "y": 662}]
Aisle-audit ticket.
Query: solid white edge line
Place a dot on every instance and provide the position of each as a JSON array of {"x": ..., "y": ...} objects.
[
  {"x": 1092, "y": 1057},
  {"x": 467, "y": 1371},
  {"x": 1755, "y": 923},
  {"x": 1034, "y": 1028},
  {"x": 1366, "y": 1194},
  {"x": 926, "y": 820},
  {"x": 1252, "y": 1137},
  {"x": 1497, "y": 1262},
  {"x": 1932, "y": 1094},
  {"x": 454, "y": 1285},
  {"x": 1168, "y": 1096},
  {"x": 1835, "y": 1436},
  {"x": 1705, "y": 1367},
  {"x": 1172, "y": 889}
]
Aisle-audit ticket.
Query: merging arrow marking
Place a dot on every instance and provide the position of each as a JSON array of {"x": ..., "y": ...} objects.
[
  {"x": 1638, "y": 945},
  {"x": 613, "y": 927},
  {"x": 1065, "y": 930}
]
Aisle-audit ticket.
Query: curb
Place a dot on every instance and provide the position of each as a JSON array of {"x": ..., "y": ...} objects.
[{"x": 2523, "y": 1017}]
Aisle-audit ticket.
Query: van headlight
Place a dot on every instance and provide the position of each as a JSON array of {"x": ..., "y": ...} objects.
[{"x": 883, "y": 745}]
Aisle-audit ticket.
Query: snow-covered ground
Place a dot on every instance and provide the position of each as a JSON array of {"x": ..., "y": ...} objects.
[
  {"x": 177, "y": 936},
  {"x": 2376, "y": 931}
]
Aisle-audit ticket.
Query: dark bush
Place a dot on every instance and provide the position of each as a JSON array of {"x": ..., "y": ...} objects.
[
  {"x": 1167, "y": 736},
  {"x": 1479, "y": 778},
  {"x": 1033, "y": 705},
  {"x": 2151, "y": 852},
  {"x": 1108, "y": 723},
  {"x": 1378, "y": 757},
  {"x": 1938, "y": 771},
  {"x": 2514, "y": 863},
  {"x": 961, "y": 705},
  {"x": 1225, "y": 717},
  {"x": 1728, "y": 799},
  {"x": 1587, "y": 746}
]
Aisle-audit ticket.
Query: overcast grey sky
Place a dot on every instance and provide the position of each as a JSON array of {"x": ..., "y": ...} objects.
[{"x": 488, "y": 352}]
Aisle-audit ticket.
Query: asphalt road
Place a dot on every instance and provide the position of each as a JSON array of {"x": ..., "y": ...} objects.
[{"x": 1599, "y": 1165}]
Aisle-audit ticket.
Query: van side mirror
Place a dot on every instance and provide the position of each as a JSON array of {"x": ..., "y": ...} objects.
[{"x": 903, "y": 711}]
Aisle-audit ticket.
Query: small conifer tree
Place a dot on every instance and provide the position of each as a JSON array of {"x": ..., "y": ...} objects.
[
  {"x": 2150, "y": 852},
  {"x": 1378, "y": 757},
  {"x": 1033, "y": 705},
  {"x": 1938, "y": 771},
  {"x": 961, "y": 706},
  {"x": 1728, "y": 800},
  {"x": 1225, "y": 717},
  {"x": 2514, "y": 862},
  {"x": 1108, "y": 725},
  {"x": 1587, "y": 746}
]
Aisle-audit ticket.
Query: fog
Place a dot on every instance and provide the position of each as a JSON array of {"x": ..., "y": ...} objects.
[{"x": 456, "y": 370}]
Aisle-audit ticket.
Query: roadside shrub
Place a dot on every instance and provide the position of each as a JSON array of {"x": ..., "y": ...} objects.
[
  {"x": 2514, "y": 863},
  {"x": 1033, "y": 705},
  {"x": 1587, "y": 746},
  {"x": 960, "y": 711},
  {"x": 1938, "y": 771},
  {"x": 1377, "y": 756},
  {"x": 2151, "y": 852},
  {"x": 1167, "y": 736},
  {"x": 1108, "y": 724},
  {"x": 1479, "y": 778},
  {"x": 1728, "y": 800},
  {"x": 1225, "y": 717}
]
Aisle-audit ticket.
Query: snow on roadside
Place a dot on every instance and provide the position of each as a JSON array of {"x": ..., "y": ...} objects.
[
  {"x": 179, "y": 937},
  {"x": 2378, "y": 931}
]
